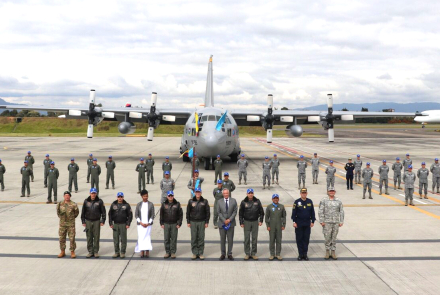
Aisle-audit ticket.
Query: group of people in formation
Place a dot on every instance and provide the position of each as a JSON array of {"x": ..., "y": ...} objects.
[
  {"x": 251, "y": 213},
  {"x": 251, "y": 217}
]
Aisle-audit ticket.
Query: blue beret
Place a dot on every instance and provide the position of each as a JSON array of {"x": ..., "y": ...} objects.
[{"x": 29, "y": 152}]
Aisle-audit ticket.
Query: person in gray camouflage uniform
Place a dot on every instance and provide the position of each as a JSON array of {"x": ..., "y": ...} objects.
[
  {"x": 435, "y": 170},
  {"x": 266, "y": 172},
  {"x": 397, "y": 168},
  {"x": 331, "y": 217},
  {"x": 275, "y": 167},
  {"x": 315, "y": 168},
  {"x": 409, "y": 178},
  {"x": 367, "y": 175},
  {"x": 302, "y": 166},
  {"x": 383, "y": 176},
  {"x": 406, "y": 162},
  {"x": 166, "y": 184},
  {"x": 242, "y": 164},
  {"x": 357, "y": 169},
  {"x": 423, "y": 174},
  {"x": 330, "y": 171}
]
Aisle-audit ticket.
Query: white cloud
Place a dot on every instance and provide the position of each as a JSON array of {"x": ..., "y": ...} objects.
[{"x": 53, "y": 51}]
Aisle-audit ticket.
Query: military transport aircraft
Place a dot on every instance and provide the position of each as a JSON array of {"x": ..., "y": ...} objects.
[
  {"x": 206, "y": 134},
  {"x": 425, "y": 117}
]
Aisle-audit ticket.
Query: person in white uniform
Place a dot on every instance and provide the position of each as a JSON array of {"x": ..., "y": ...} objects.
[{"x": 144, "y": 215}]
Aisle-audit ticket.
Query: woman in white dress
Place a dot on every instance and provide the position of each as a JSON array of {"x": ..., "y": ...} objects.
[{"x": 144, "y": 215}]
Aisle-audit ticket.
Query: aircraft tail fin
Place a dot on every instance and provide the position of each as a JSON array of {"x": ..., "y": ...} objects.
[{"x": 209, "y": 95}]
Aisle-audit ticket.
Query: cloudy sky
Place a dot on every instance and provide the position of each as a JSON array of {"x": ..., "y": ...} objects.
[{"x": 361, "y": 51}]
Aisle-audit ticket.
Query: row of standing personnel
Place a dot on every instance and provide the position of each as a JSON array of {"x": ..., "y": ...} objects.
[{"x": 251, "y": 216}]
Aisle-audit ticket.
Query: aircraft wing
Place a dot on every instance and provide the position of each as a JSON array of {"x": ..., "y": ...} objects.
[{"x": 287, "y": 117}]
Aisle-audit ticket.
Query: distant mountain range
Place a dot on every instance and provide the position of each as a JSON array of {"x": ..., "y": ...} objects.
[
  {"x": 379, "y": 106},
  {"x": 4, "y": 102}
]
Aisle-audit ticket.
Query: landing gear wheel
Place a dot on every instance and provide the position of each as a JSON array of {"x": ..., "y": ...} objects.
[{"x": 234, "y": 157}]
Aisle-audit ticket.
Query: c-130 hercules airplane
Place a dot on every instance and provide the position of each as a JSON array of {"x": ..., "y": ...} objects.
[{"x": 208, "y": 140}]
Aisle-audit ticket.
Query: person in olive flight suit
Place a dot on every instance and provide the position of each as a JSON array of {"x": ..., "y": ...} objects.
[
  {"x": 218, "y": 195},
  {"x": 120, "y": 216},
  {"x": 2, "y": 172},
  {"x": 89, "y": 163},
  {"x": 26, "y": 173},
  {"x": 197, "y": 218},
  {"x": 141, "y": 168},
  {"x": 167, "y": 166},
  {"x": 95, "y": 171},
  {"x": 303, "y": 217},
  {"x": 266, "y": 172},
  {"x": 31, "y": 162},
  {"x": 229, "y": 184},
  {"x": 150, "y": 164},
  {"x": 46, "y": 164},
  {"x": 251, "y": 217},
  {"x": 93, "y": 216},
  {"x": 397, "y": 168},
  {"x": 73, "y": 169},
  {"x": 275, "y": 219},
  {"x": 423, "y": 174},
  {"x": 52, "y": 176},
  {"x": 171, "y": 215},
  {"x": 111, "y": 166},
  {"x": 218, "y": 166},
  {"x": 349, "y": 167}
]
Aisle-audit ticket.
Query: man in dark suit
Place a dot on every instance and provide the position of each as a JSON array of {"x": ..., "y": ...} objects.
[
  {"x": 349, "y": 167},
  {"x": 227, "y": 210}
]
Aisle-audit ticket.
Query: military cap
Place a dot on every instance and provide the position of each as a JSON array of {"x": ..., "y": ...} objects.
[
  {"x": 384, "y": 161},
  {"x": 91, "y": 155},
  {"x": 167, "y": 157},
  {"x": 110, "y": 157},
  {"x": 198, "y": 189},
  {"x": 25, "y": 161},
  {"x": 226, "y": 174},
  {"x": 141, "y": 159},
  {"x": 358, "y": 156},
  {"x": 170, "y": 193},
  {"x": 274, "y": 155},
  {"x": 330, "y": 188},
  {"x": 167, "y": 173},
  {"x": 196, "y": 171},
  {"x": 304, "y": 190},
  {"x": 72, "y": 159},
  {"x": 52, "y": 163},
  {"x": 407, "y": 154},
  {"x": 368, "y": 163},
  {"x": 275, "y": 196},
  {"x": 331, "y": 161},
  {"x": 250, "y": 190},
  {"x": 436, "y": 159},
  {"x": 120, "y": 194},
  {"x": 423, "y": 163},
  {"x": 315, "y": 153},
  {"x": 218, "y": 156},
  {"x": 301, "y": 156},
  {"x": 94, "y": 159},
  {"x": 219, "y": 181},
  {"x": 67, "y": 193},
  {"x": 410, "y": 167},
  {"x": 266, "y": 157},
  {"x": 29, "y": 152},
  {"x": 397, "y": 158},
  {"x": 47, "y": 155},
  {"x": 242, "y": 155},
  {"x": 93, "y": 190}
]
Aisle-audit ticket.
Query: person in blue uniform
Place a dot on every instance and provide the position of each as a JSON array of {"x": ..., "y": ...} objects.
[
  {"x": 349, "y": 167},
  {"x": 303, "y": 217}
]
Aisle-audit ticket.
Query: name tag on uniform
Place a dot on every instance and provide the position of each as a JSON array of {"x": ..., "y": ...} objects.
[
  {"x": 309, "y": 205},
  {"x": 299, "y": 203}
]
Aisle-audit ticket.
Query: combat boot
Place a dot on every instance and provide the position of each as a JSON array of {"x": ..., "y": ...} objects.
[
  {"x": 406, "y": 202},
  {"x": 62, "y": 254},
  {"x": 438, "y": 191},
  {"x": 327, "y": 254},
  {"x": 122, "y": 255},
  {"x": 334, "y": 255},
  {"x": 363, "y": 197},
  {"x": 72, "y": 254},
  {"x": 369, "y": 193},
  {"x": 116, "y": 255},
  {"x": 246, "y": 257},
  {"x": 268, "y": 186},
  {"x": 386, "y": 192},
  {"x": 167, "y": 255},
  {"x": 421, "y": 196},
  {"x": 426, "y": 196},
  {"x": 394, "y": 186},
  {"x": 239, "y": 182},
  {"x": 411, "y": 203},
  {"x": 245, "y": 183},
  {"x": 173, "y": 256},
  {"x": 264, "y": 186},
  {"x": 277, "y": 181}
]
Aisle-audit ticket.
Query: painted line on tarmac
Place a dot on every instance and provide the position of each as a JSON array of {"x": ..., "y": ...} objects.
[
  {"x": 373, "y": 190},
  {"x": 237, "y": 259}
]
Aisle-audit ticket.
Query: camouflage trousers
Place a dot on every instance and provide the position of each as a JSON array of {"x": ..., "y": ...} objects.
[
  {"x": 63, "y": 232},
  {"x": 383, "y": 182},
  {"x": 357, "y": 176},
  {"x": 330, "y": 182},
  {"x": 409, "y": 192},
  {"x": 315, "y": 173},
  {"x": 301, "y": 177},
  {"x": 423, "y": 186},
  {"x": 330, "y": 231}
]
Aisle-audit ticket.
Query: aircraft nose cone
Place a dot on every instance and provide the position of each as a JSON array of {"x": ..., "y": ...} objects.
[{"x": 211, "y": 142}]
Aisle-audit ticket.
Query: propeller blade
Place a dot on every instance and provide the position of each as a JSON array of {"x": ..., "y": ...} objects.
[
  {"x": 62, "y": 116},
  {"x": 169, "y": 118},
  {"x": 330, "y": 101},
  {"x": 347, "y": 117},
  {"x": 313, "y": 118},
  {"x": 108, "y": 115},
  {"x": 269, "y": 101},
  {"x": 92, "y": 96},
  {"x": 331, "y": 135},
  {"x": 90, "y": 131},
  {"x": 287, "y": 119},
  {"x": 74, "y": 113},
  {"x": 135, "y": 115},
  {"x": 269, "y": 136},
  {"x": 150, "y": 133},
  {"x": 153, "y": 99},
  {"x": 253, "y": 118}
]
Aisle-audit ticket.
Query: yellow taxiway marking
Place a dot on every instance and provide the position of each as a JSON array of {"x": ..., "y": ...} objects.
[{"x": 373, "y": 190}]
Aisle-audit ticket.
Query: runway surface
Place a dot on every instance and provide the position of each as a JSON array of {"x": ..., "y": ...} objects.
[{"x": 383, "y": 248}]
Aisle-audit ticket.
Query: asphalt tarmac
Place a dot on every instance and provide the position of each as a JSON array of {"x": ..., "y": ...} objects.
[{"x": 383, "y": 248}]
